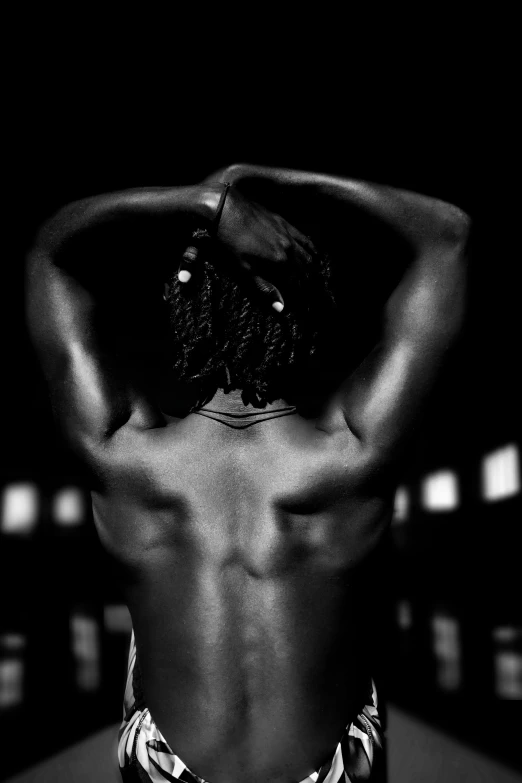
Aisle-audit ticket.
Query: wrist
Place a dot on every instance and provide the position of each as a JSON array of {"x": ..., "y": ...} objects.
[
  {"x": 207, "y": 201},
  {"x": 210, "y": 202}
]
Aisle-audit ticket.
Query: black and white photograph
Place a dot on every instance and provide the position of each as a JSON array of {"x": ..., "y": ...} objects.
[{"x": 260, "y": 493}]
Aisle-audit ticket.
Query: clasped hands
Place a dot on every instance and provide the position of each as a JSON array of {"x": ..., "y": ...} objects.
[{"x": 261, "y": 248}]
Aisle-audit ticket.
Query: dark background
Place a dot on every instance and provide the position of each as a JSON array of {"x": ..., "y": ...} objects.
[{"x": 448, "y": 138}]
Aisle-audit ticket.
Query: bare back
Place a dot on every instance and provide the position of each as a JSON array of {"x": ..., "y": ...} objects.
[{"x": 238, "y": 548}]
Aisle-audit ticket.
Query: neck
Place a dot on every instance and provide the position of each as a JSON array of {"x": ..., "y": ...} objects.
[{"x": 232, "y": 402}]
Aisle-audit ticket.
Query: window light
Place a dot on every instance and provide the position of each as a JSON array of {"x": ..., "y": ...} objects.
[
  {"x": 12, "y": 641},
  {"x": 85, "y": 646},
  {"x": 446, "y": 647},
  {"x": 404, "y": 616},
  {"x": 11, "y": 682},
  {"x": 440, "y": 491},
  {"x": 69, "y": 506},
  {"x": 501, "y": 473},
  {"x": 508, "y": 662},
  {"x": 19, "y": 508}
]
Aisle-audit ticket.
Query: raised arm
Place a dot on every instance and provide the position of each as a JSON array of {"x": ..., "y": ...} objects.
[
  {"x": 93, "y": 388},
  {"x": 382, "y": 400},
  {"x": 73, "y": 304}
]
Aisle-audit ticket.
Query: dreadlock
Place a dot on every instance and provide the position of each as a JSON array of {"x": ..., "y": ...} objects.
[{"x": 220, "y": 338}]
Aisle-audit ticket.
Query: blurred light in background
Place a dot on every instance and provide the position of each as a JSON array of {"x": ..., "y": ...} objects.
[
  {"x": 12, "y": 641},
  {"x": 501, "y": 473},
  {"x": 11, "y": 682},
  {"x": 69, "y": 506},
  {"x": 440, "y": 491},
  {"x": 117, "y": 619},
  {"x": 401, "y": 505},
  {"x": 404, "y": 615},
  {"x": 20, "y": 504},
  {"x": 86, "y": 650},
  {"x": 11, "y": 669},
  {"x": 446, "y": 646},
  {"x": 508, "y": 662}
]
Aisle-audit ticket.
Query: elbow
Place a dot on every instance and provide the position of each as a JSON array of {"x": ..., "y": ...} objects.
[
  {"x": 73, "y": 219},
  {"x": 456, "y": 226},
  {"x": 462, "y": 227},
  {"x": 50, "y": 235}
]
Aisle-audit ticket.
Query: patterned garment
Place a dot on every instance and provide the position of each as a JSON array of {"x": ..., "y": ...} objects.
[{"x": 144, "y": 755}]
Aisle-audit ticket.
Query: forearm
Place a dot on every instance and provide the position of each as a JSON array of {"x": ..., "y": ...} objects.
[
  {"x": 182, "y": 207},
  {"x": 429, "y": 295},
  {"x": 104, "y": 251},
  {"x": 420, "y": 220}
]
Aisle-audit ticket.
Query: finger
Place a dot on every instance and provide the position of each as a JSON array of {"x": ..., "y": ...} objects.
[
  {"x": 186, "y": 268},
  {"x": 305, "y": 242},
  {"x": 268, "y": 293},
  {"x": 297, "y": 257}
]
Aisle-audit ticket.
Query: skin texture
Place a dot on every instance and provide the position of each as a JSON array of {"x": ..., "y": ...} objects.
[{"x": 242, "y": 552}]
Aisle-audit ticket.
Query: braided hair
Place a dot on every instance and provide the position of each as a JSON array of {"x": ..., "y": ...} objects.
[{"x": 221, "y": 338}]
